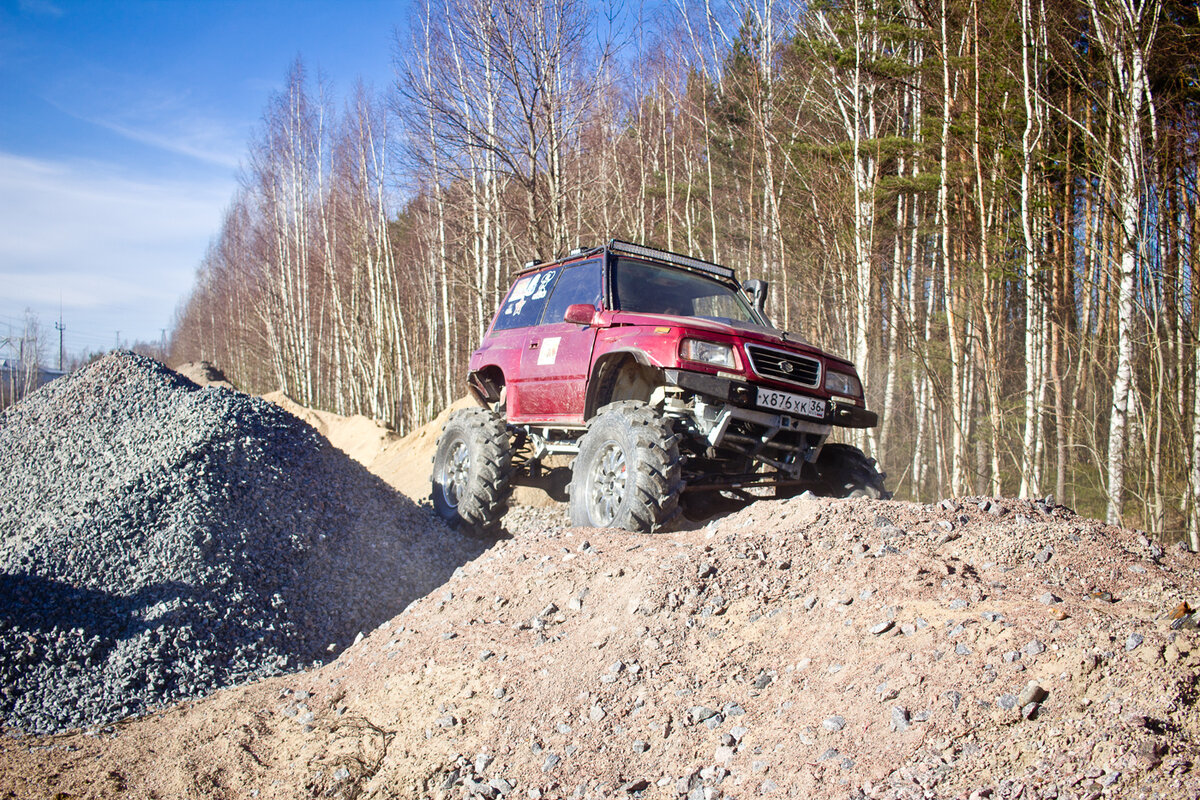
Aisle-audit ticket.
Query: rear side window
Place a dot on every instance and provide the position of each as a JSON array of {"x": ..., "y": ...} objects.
[
  {"x": 578, "y": 284},
  {"x": 525, "y": 302}
]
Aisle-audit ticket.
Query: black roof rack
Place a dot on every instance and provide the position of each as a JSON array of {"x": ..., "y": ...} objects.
[{"x": 578, "y": 252}]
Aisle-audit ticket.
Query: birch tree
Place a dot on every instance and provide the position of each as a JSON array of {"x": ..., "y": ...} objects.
[
  {"x": 1032, "y": 80},
  {"x": 1125, "y": 31},
  {"x": 853, "y": 91},
  {"x": 1015, "y": 215}
]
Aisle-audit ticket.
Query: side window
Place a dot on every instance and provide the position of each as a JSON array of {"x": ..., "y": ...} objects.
[
  {"x": 579, "y": 284},
  {"x": 524, "y": 304}
]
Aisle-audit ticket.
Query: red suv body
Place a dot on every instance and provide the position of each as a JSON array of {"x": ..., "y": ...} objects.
[
  {"x": 665, "y": 379},
  {"x": 545, "y": 363}
]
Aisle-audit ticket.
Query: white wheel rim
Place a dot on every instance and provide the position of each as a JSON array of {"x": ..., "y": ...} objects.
[
  {"x": 455, "y": 473},
  {"x": 607, "y": 484}
]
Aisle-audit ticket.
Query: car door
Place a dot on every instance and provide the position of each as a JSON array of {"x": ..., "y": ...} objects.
[
  {"x": 558, "y": 354},
  {"x": 518, "y": 316}
]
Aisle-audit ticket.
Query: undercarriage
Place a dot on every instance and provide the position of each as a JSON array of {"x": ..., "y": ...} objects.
[{"x": 725, "y": 449}]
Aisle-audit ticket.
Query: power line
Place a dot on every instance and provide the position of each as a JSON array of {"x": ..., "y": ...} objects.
[{"x": 78, "y": 341}]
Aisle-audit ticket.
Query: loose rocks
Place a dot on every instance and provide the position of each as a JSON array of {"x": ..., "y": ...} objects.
[{"x": 708, "y": 705}]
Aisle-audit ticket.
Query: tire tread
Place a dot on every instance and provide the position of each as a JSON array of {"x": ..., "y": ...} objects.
[
  {"x": 485, "y": 503},
  {"x": 654, "y": 466},
  {"x": 847, "y": 472}
]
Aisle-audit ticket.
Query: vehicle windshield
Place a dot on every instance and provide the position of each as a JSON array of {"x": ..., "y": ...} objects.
[{"x": 655, "y": 289}]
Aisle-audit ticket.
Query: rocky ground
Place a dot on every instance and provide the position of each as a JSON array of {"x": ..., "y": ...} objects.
[{"x": 800, "y": 648}]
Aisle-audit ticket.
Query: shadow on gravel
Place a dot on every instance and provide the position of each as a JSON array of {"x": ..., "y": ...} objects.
[
  {"x": 73, "y": 657},
  {"x": 42, "y": 605},
  {"x": 391, "y": 552}
]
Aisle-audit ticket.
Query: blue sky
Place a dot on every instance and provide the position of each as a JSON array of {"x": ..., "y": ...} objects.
[{"x": 122, "y": 125}]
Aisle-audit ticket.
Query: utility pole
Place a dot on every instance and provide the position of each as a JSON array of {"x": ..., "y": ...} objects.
[
  {"x": 117, "y": 341},
  {"x": 58, "y": 326},
  {"x": 163, "y": 348}
]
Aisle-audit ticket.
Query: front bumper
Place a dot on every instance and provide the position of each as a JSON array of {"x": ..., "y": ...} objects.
[
  {"x": 742, "y": 394},
  {"x": 845, "y": 415}
]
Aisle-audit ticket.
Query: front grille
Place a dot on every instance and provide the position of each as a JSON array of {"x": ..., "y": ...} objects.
[{"x": 781, "y": 366}]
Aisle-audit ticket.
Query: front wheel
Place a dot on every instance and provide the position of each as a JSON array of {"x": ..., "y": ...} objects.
[
  {"x": 627, "y": 473},
  {"x": 472, "y": 472},
  {"x": 845, "y": 471}
]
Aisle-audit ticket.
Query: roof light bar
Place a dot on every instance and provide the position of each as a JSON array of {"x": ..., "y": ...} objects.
[{"x": 616, "y": 245}]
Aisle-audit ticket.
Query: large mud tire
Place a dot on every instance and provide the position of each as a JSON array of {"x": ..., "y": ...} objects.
[
  {"x": 845, "y": 471},
  {"x": 472, "y": 472},
  {"x": 627, "y": 474}
]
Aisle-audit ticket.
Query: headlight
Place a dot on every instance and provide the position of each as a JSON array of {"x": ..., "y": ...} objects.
[
  {"x": 842, "y": 383},
  {"x": 719, "y": 355}
]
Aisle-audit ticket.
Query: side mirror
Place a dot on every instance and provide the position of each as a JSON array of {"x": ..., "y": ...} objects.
[
  {"x": 757, "y": 290},
  {"x": 580, "y": 314}
]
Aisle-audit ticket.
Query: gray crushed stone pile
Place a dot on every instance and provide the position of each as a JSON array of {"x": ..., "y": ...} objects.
[{"x": 159, "y": 541}]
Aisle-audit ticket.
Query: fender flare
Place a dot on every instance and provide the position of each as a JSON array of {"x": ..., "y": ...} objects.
[
  {"x": 484, "y": 386},
  {"x": 639, "y": 356}
]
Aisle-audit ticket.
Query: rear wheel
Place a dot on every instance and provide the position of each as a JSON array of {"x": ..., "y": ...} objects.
[
  {"x": 472, "y": 472},
  {"x": 627, "y": 473},
  {"x": 845, "y": 471}
]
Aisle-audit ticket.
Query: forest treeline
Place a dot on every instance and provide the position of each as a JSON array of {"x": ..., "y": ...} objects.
[{"x": 990, "y": 205}]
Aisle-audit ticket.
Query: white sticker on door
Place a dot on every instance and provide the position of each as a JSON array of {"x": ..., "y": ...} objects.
[{"x": 549, "y": 350}]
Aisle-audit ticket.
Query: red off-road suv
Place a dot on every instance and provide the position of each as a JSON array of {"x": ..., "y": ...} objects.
[{"x": 665, "y": 380}]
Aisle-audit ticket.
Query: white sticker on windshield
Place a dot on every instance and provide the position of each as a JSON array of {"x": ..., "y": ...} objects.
[
  {"x": 549, "y": 350},
  {"x": 516, "y": 298},
  {"x": 544, "y": 285}
]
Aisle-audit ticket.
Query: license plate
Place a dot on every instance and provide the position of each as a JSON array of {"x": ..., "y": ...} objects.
[{"x": 791, "y": 403}]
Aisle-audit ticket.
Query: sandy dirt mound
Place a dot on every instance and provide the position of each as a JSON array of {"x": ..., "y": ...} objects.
[
  {"x": 801, "y": 648},
  {"x": 359, "y": 437},
  {"x": 203, "y": 373},
  {"x": 404, "y": 462}
]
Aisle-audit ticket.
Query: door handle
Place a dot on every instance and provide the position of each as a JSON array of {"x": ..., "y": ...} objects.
[{"x": 534, "y": 345}]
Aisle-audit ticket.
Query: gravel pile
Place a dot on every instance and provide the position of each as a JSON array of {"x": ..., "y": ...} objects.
[{"x": 159, "y": 541}]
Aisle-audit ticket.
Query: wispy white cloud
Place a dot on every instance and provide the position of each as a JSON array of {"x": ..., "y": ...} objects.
[
  {"x": 137, "y": 108},
  {"x": 198, "y": 139},
  {"x": 123, "y": 249},
  {"x": 44, "y": 7}
]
